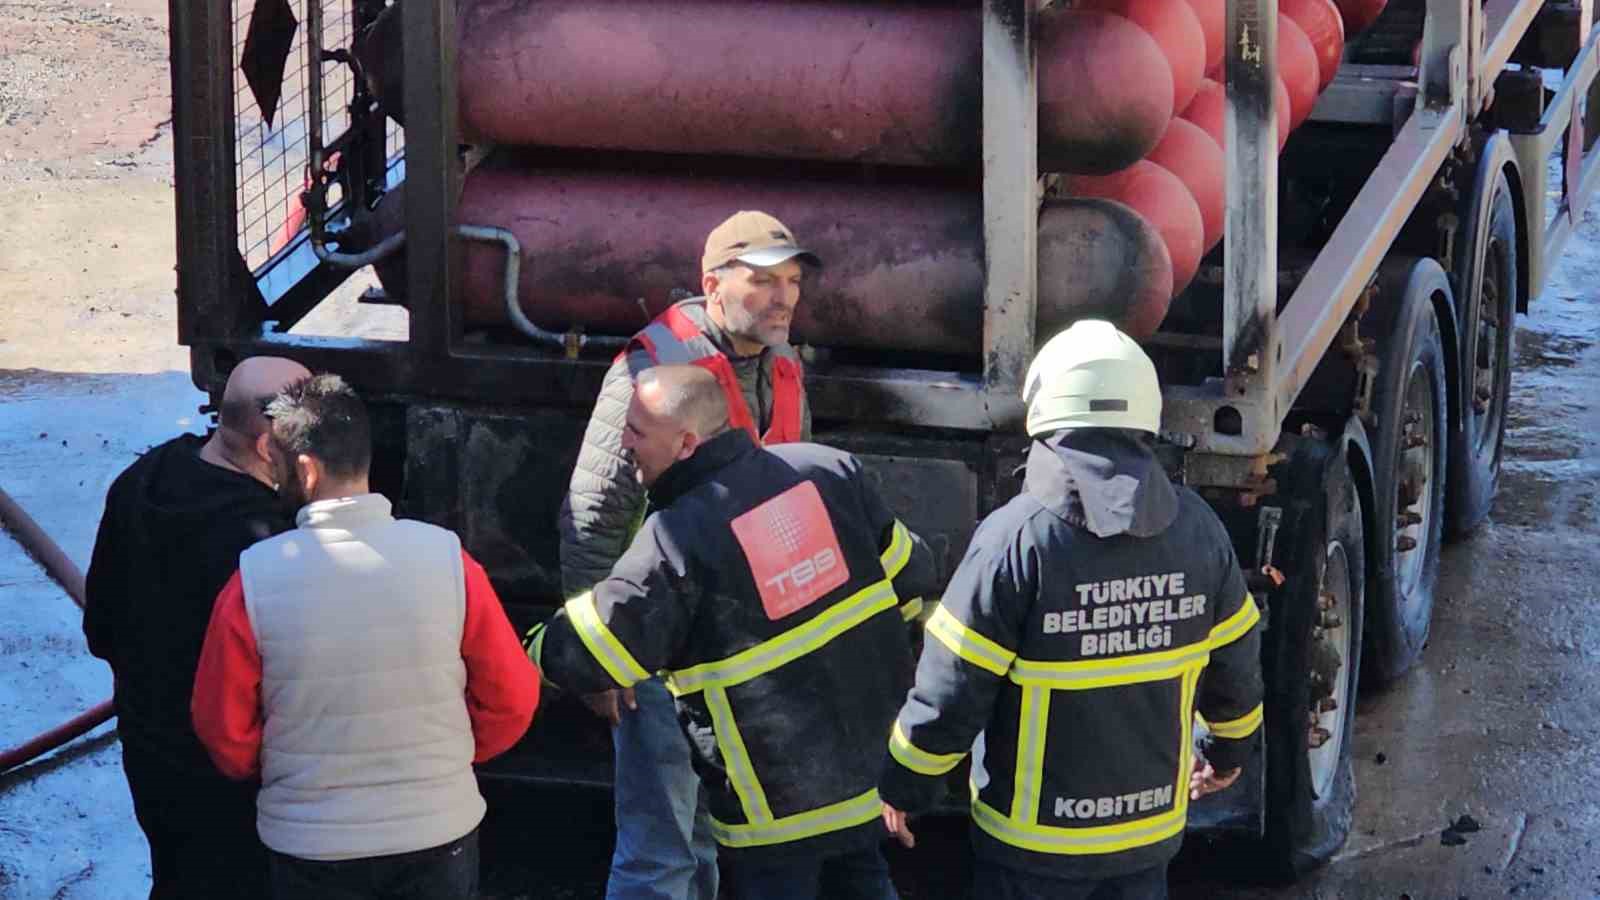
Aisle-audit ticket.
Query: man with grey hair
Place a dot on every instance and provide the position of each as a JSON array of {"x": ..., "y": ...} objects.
[
  {"x": 175, "y": 523},
  {"x": 771, "y": 585},
  {"x": 738, "y": 332}
]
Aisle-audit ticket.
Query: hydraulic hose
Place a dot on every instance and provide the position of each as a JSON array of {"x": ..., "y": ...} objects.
[{"x": 66, "y": 573}]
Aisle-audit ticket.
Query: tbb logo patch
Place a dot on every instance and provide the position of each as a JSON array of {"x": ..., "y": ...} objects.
[{"x": 792, "y": 550}]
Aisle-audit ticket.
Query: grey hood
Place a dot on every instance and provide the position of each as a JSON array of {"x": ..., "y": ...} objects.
[{"x": 1103, "y": 480}]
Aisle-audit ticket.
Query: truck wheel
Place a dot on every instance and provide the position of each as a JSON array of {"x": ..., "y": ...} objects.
[
  {"x": 1311, "y": 658},
  {"x": 1488, "y": 315},
  {"x": 1409, "y": 460}
]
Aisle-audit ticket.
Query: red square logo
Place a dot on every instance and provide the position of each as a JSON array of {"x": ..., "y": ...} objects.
[{"x": 792, "y": 550}]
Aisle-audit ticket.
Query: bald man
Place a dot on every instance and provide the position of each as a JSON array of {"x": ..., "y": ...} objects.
[
  {"x": 771, "y": 585},
  {"x": 175, "y": 523}
]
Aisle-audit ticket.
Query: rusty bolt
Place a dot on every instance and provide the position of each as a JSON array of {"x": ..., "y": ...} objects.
[
  {"x": 1405, "y": 543},
  {"x": 1318, "y": 737},
  {"x": 1412, "y": 441},
  {"x": 1407, "y": 519},
  {"x": 1330, "y": 620},
  {"x": 1325, "y": 600},
  {"x": 1327, "y": 705}
]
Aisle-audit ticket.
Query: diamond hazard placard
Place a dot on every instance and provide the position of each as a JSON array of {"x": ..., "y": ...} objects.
[{"x": 792, "y": 550}]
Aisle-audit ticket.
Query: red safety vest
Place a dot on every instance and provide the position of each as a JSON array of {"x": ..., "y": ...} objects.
[{"x": 678, "y": 336}]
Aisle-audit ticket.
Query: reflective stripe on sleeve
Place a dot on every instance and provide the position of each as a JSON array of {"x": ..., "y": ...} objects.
[
  {"x": 1242, "y": 727},
  {"x": 786, "y": 647},
  {"x": 894, "y": 558},
  {"x": 917, "y": 759},
  {"x": 741, "y": 771},
  {"x": 602, "y": 644},
  {"x": 968, "y": 644},
  {"x": 1237, "y": 625},
  {"x": 834, "y": 817}
]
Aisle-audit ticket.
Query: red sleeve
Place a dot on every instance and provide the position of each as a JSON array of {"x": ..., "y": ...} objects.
[
  {"x": 226, "y": 706},
  {"x": 502, "y": 683}
]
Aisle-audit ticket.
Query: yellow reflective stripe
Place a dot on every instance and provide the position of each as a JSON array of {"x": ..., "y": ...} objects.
[
  {"x": 1236, "y": 625},
  {"x": 968, "y": 644},
  {"x": 786, "y": 647},
  {"x": 1242, "y": 727},
  {"x": 1030, "y": 755},
  {"x": 535, "y": 647},
  {"x": 1191, "y": 681},
  {"x": 1079, "y": 841},
  {"x": 741, "y": 772},
  {"x": 602, "y": 644},
  {"x": 917, "y": 759},
  {"x": 834, "y": 817},
  {"x": 899, "y": 552},
  {"x": 1097, "y": 673},
  {"x": 910, "y": 609}
]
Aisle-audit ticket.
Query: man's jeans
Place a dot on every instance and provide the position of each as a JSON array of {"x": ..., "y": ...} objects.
[
  {"x": 665, "y": 850},
  {"x": 992, "y": 882},
  {"x": 446, "y": 872},
  {"x": 856, "y": 875}
]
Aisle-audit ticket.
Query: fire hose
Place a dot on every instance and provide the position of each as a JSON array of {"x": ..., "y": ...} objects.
[{"x": 66, "y": 573}]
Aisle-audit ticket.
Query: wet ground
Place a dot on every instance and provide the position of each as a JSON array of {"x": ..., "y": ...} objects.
[{"x": 1498, "y": 722}]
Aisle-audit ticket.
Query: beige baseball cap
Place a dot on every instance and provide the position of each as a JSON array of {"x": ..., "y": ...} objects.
[{"x": 754, "y": 238}]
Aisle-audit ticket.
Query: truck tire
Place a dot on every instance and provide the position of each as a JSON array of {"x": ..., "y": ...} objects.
[
  {"x": 1488, "y": 309},
  {"x": 1311, "y": 658},
  {"x": 1410, "y": 446}
]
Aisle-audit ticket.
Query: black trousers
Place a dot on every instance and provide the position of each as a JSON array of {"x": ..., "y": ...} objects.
[
  {"x": 446, "y": 872},
  {"x": 853, "y": 875},
  {"x": 992, "y": 882},
  {"x": 201, "y": 830}
]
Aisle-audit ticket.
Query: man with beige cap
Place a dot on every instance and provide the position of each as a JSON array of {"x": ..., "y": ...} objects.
[{"x": 738, "y": 330}]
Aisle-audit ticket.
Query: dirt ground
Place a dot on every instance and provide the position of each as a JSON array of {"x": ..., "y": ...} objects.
[{"x": 1498, "y": 722}]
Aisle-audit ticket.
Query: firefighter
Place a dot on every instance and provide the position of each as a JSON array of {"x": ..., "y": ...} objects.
[
  {"x": 739, "y": 332},
  {"x": 1092, "y": 616},
  {"x": 770, "y": 587}
]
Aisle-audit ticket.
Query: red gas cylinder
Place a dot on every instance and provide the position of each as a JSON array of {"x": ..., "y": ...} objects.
[
  {"x": 1196, "y": 158},
  {"x": 1297, "y": 66},
  {"x": 1104, "y": 260},
  {"x": 871, "y": 82},
  {"x": 1161, "y": 198},
  {"x": 1209, "y": 108},
  {"x": 1102, "y": 87},
  {"x": 604, "y": 250},
  {"x": 1321, "y": 22},
  {"x": 1358, "y": 14},
  {"x": 1177, "y": 29},
  {"x": 1213, "y": 16}
]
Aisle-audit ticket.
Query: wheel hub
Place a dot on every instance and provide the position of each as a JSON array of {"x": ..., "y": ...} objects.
[
  {"x": 1414, "y": 481},
  {"x": 1330, "y": 688}
]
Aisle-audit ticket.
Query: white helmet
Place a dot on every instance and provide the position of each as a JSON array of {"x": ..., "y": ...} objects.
[{"x": 1092, "y": 376}]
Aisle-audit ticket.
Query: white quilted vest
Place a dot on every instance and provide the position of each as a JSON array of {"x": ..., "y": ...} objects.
[{"x": 367, "y": 748}]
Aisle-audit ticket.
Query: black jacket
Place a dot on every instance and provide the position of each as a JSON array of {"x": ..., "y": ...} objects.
[
  {"x": 173, "y": 528},
  {"x": 767, "y": 585},
  {"x": 1092, "y": 616}
]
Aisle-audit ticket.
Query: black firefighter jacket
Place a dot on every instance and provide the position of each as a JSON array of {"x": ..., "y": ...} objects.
[
  {"x": 771, "y": 587},
  {"x": 1090, "y": 619}
]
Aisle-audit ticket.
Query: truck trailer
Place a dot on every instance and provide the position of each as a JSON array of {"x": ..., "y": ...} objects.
[{"x": 1333, "y": 325}]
